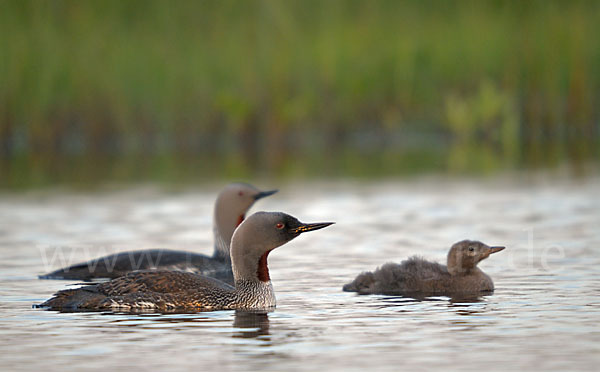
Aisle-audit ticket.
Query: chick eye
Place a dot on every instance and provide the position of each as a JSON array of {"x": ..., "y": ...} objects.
[
  {"x": 471, "y": 249},
  {"x": 279, "y": 226}
]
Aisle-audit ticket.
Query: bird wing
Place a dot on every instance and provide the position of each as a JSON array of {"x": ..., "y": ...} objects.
[
  {"x": 116, "y": 265},
  {"x": 159, "y": 282}
]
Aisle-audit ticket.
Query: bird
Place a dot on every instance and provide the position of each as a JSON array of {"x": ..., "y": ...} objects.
[
  {"x": 419, "y": 277},
  {"x": 229, "y": 211},
  {"x": 172, "y": 291}
]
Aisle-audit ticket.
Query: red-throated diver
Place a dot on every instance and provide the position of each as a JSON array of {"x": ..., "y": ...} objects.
[
  {"x": 417, "y": 276},
  {"x": 172, "y": 290},
  {"x": 230, "y": 209}
]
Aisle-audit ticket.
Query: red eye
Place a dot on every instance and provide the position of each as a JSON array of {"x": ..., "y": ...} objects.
[
  {"x": 240, "y": 193},
  {"x": 279, "y": 225}
]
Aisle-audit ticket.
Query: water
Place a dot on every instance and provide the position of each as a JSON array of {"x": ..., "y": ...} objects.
[{"x": 545, "y": 313}]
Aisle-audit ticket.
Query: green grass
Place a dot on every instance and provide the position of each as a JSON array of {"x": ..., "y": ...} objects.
[{"x": 243, "y": 88}]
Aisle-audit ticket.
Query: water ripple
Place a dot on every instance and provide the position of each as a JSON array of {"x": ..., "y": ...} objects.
[{"x": 544, "y": 314}]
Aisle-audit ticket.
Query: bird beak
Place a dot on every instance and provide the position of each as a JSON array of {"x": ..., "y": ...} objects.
[
  {"x": 495, "y": 249},
  {"x": 311, "y": 227},
  {"x": 264, "y": 194}
]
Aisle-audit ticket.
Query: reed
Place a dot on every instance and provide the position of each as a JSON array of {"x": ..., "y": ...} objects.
[{"x": 245, "y": 88}]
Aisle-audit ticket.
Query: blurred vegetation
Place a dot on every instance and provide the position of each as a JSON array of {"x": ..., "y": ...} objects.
[{"x": 174, "y": 91}]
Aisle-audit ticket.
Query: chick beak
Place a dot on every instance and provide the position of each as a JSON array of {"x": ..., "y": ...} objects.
[{"x": 495, "y": 249}]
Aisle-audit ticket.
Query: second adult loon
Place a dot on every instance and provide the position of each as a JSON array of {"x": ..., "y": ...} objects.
[{"x": 229, "y": 211}]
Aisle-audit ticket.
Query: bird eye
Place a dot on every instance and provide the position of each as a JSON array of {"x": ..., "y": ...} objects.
[
  {"x": 240, "y": 193},
  {"x": 279, "y": 226},
  {"x": 471, "y": 249}
]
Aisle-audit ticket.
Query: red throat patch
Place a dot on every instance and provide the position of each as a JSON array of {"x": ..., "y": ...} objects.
[
  {"x": 240, "y": 220},
  {"x": 263, "y": 271}
]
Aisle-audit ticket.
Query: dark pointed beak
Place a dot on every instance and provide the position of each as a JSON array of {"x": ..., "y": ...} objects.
[
  {"x": 495, "y": 249},
  {"x": 311, "y": 227},
  {"x": 264, "y": 194}
]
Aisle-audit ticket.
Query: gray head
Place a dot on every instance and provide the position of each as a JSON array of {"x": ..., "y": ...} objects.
[
  {"x": 230, "y": 210},
  {"x": 465, "y": 255},
  {"x": 258, "y": 235}
]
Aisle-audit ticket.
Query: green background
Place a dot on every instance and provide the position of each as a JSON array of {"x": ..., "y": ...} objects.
[{"x": 180, "y": 91}]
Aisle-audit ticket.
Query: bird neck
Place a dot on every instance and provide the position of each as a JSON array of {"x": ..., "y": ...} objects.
[
  {"x": 262, "y": 270},
  {"x": 458, "y": 264},
  {"x": 461, "y": 270},
  {"x": 221, "y": 245},
  {"x": 247, "y": 266},
  {"x": 255, "y": 293},
  {"x": 223, "y": 229}
]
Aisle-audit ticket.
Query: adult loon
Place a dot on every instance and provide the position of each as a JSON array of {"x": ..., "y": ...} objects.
[
  {"x": 252, "y": 242},
  {"x": 416, "y": 276},
  {"x": 230, "y": 209}
]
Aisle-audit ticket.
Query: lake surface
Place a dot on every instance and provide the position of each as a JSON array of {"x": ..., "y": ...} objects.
[{"x": 544, "y": 315}]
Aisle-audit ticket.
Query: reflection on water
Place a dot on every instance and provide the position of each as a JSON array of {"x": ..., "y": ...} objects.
[
  {"x": 251, "y": 324},
  {"x": 246, "y": 324},
  {"x": 544, "y": 313},
  {"x": 459, "y": 298}
]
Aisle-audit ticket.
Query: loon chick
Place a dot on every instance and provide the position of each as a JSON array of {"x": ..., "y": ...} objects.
[
  {"x": 417, "y": 276},
  {"x": 230, "y": 209},
  {"x": 252, "y": 242}
]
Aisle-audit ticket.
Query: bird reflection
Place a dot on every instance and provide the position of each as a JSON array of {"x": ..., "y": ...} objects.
[
  {"x": 465, "y": 299},
  {"x": 251, "y": 324},
  {"x": 246, "y": 324},
  {"x": 468, "y": 306},
  {"x": 454, "y": 299}
]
